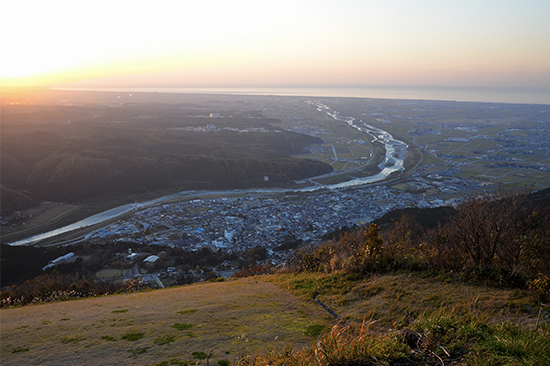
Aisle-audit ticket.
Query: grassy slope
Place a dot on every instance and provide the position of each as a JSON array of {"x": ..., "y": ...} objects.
[
  {"x": 390, "y": 299},
  {"x": 239, "y": 317}
]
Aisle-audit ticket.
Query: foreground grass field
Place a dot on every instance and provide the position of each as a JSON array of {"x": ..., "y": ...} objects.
[
  {"x": 394, "y": 319},
  {"x": 226, "y": 320}
]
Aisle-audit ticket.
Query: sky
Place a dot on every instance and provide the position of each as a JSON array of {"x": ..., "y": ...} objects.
[{"x": 220, "y": 43}]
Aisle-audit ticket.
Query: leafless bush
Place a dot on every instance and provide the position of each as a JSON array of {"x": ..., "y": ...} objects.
[{"x": 253, "y": 270}]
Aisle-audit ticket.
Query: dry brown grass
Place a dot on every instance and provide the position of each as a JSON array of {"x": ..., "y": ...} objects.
[
  {"x": 233, "y": 319},
  {"x": 230, "y": 319},
  {"x": 392, "y": 298}
]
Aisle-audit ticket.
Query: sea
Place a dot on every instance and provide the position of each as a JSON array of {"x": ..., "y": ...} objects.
[{"x": 459, "y": 94}]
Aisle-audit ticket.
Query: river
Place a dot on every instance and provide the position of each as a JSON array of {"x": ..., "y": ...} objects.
[
  {"x": 395, "y": 149},
  {"x": 393, "y": 162}
]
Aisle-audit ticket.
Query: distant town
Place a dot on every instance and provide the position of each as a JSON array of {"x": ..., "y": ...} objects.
[
  {"x": 421, "y": 153},
  {"x": 244, "y": 221},
  {"x": 235, "y": 224}
]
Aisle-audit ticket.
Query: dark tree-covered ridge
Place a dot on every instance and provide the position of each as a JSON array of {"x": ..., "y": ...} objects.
[{"x": 71, "y": 153}]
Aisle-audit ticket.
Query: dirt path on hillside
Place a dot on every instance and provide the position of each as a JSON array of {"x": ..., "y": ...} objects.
[{"x": 229, "y": 319}]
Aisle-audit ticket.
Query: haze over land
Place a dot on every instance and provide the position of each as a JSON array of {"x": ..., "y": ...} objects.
[
  {"x": 88, "y": 152},
  {"x": 96, "y": 150}
]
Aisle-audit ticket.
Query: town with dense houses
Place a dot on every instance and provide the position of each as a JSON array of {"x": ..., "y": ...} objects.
[{"x": 235, "y": 224}]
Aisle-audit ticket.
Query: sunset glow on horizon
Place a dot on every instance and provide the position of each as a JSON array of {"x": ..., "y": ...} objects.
[{"x": 284, "y": 43}]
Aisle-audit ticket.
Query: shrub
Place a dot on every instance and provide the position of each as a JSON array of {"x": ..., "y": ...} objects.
[
  {"x": 56, "y": 287},
  {"x": 540, "y": 287},
  {"x": 495, "y": 232},
  {"x": 182, "y": 326},
  {"x": 133, "y": 336},
  {"x": 314, "y": 330},
  {"x": 497, "y": 238},
  {"x": 357, "y": 252},
  {"x": 456, "y": 338},
  {"x": 19, "y": 349},
  {"x": 200, "y": 355},
  {"x": 343, "y": 345},
  {"x": 253, "y": 270},
  {"x": 161, "y": 341},
  {"x": 355, "y": 345},
  {"x": 72, "y": 339}
]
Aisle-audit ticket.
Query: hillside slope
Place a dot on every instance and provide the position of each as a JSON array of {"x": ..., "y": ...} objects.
[
  {"x": 229, "y": 319},
  {"x": 253, "y": 316}
]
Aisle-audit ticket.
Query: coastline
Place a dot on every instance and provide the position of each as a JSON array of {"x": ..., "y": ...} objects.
[{"x": 458, "y": 94}]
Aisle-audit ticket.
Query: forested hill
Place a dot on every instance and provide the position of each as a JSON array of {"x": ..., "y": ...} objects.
[
  {"x": 430, "y": 218},
  {"x": 70, "y": 153}
]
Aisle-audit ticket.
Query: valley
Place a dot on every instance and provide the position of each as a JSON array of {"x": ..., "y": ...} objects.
[{"x": 168, "y": 190}]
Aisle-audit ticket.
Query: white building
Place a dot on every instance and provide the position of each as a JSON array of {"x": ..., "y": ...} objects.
[
  {"x": 229, "y": 235},
  {"x": 218, "y": 244},
  {"x": 151, "y": 259},
  {"x": 67, "y": 258}
]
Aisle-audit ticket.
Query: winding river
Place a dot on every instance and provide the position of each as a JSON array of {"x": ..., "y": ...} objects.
[
  {"x": 392, "y": 162},
  {"x": 395, "y": 149}
]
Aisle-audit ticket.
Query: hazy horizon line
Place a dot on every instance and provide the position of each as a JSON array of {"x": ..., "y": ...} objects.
[
  {"x": 514, "y": 95},
  {"x": 460, "y": 93}
]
